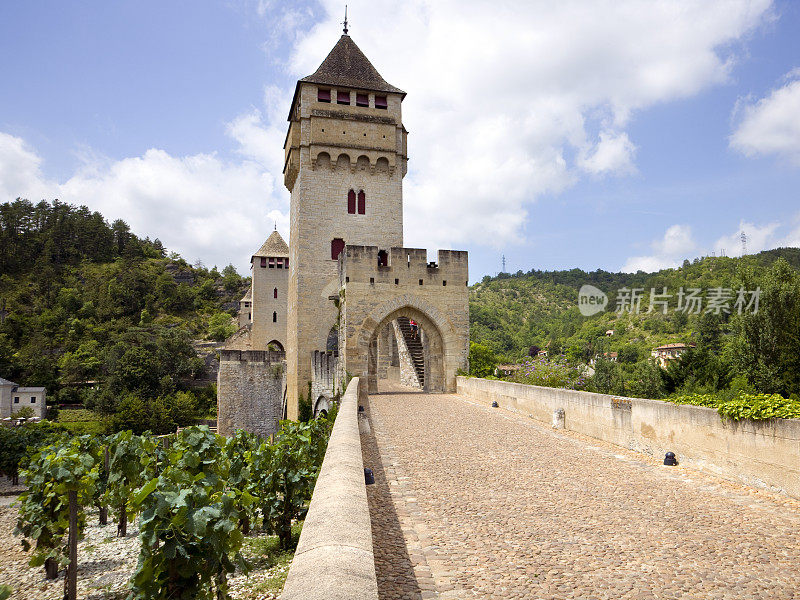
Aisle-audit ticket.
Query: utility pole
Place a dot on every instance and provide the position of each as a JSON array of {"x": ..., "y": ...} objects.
[{"x": 504, "y": 264}]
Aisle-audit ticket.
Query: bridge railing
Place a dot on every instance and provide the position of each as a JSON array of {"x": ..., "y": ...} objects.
[{"x": 334, "y": 558}]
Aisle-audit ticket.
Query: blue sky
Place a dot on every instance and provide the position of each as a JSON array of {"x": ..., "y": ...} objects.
[{"x": 614, "y": 135}]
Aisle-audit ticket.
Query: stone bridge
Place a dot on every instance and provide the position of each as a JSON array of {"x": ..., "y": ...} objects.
[{"x": 471, "y": 501}]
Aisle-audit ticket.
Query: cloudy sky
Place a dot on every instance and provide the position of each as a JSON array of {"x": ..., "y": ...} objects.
[{"x": 612, "y": 134}]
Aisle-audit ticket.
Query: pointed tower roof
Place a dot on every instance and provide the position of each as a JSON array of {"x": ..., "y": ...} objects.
[
  {"x": 274, "y": 246},
  {"x": 347, "y": 66}
]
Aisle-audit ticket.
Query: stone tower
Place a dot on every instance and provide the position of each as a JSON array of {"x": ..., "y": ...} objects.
[
  {"x": 269, "y": 269},
  {"x": 345, "y": 162}
]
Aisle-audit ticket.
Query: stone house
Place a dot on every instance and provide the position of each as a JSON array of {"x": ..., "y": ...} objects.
[
  {"x": 669, "y": 352},
  {"x": 13, "y": 397}
]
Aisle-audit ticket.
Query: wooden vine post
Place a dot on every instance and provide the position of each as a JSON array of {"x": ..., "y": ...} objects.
[
  {"x": 71, "y": 579},
  {"x": 104, "y": 507}
]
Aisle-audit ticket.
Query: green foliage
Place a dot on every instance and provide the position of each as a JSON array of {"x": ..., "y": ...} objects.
[
  {"x": 510, "y": 314},
  {"x": 285, "y": 473},
  {"x": 16, "y": 443},
  {"x": 768, "y": 345},
  {"x": 26, "y": 412},
  {"x": 189, "y": 523},
  {"x": 608, "y": 378},
  {"x": 744, "y": 405},
  {"x": 88, "y": 301},
  {"x": 239, "y": 451},
  {"x": 53, "y": 471},
  {"x": 305, "y": 406},
  {"x": 221, "y": 327},
  {"x": 160, "y": 415},
  {"x": 482, "y": 361},
  {"x": 645, "y": 381},
  {"x": 550, "y": 372},
  {"x": 133, "y": 460}
]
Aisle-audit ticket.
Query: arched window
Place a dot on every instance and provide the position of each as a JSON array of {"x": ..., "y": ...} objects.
[
  {"x": 362, "y": 202},
  {"x": 274, "y": 317},
  {"x": 351, "y": 202},
  {"x": 275, "y": 293},
  {"x": 337, "y": 245}
]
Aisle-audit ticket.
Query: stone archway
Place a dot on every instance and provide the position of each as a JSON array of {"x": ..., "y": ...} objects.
[
  {"x": 433, "y": 348},
  {"x": 275, "y": 345}
]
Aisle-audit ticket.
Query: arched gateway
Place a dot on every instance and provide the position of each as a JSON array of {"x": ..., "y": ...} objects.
[{"x": 381, "y": 301}]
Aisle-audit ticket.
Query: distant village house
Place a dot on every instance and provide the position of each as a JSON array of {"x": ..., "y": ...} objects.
[
  {"x": 505, "y": 370},
  {"x": 669, "y": 352},
  {"x": 14, "y": 397}
]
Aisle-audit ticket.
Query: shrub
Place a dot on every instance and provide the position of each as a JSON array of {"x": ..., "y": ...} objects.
[
  {"x": 745, "y": 405},
  {"x": 550, "y": 372},
  {"x": 188, "y": 524}
]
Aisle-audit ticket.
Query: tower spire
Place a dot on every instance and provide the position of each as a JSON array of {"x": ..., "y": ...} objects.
[{"x": 345, "y": 19}]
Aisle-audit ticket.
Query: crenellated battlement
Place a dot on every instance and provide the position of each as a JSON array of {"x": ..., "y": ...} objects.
[{"x": 402, "y": 267}]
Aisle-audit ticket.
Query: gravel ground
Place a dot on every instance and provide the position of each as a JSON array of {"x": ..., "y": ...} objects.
[
  {"x": 494, "y": 505},
  {"x": 106, "y": 563},
  {"x": 6, "y": 489}
]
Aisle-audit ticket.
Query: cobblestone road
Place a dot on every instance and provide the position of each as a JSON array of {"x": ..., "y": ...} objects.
[{"x": 474, "y": 502}]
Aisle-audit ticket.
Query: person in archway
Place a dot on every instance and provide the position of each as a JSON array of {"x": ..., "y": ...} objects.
[{"x": 414, "y": 328}]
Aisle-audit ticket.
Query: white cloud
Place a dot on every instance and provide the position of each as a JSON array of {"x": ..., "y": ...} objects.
[
  {"x": 20, "y": 170},
  {"x": 668, "y": 252},
  {"x": 759, "y": 237},
  {"x": 198, "y": 205},
  {"x": 678, "y": 244},
  {"x": 507, "y": 101},
  {"x": 612, "y": 154},
  {"x": 771, "y": 126}
]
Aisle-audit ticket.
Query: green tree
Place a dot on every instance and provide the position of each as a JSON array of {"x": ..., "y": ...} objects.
[
  {"x": 221, "y": 327},
  {"x": 482, "y": 361},
  {"x": 768, "y": 347}
]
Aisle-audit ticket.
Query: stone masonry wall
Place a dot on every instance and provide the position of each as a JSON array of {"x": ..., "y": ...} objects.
[
  {"x": 435, "y": 295},
  {"x": 331, "y": 149},
  {"x": 250, "y": 387}
]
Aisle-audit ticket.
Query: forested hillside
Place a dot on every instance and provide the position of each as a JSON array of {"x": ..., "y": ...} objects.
[
  {"x": 510, "y": 315},
  {"x": 101, "y": 316}
]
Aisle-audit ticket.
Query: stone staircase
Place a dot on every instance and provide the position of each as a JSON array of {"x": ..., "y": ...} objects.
[{"x": 414, "y": 346}]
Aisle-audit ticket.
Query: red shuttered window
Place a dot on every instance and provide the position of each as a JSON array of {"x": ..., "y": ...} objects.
[
  {"x": 362, "y": 202},
  {"x": 380, "y": 102},
  {"x": 337, "y": 245},
  {"x": 323, "y": 95},
  {"x": 362, "y": 100},
  {"x": 343, "y": 97},
  {"x": 351, "y": 202}
]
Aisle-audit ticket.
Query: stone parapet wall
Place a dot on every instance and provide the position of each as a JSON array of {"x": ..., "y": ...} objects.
[
  {"x": 760, "y": 453},
  {"x": 405, "y": 267},
  {"x": 334, "y": 558}
]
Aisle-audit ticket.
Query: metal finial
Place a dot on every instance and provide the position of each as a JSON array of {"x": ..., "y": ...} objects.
[
  {"x": 276, "y": 226},
  {"x": 345, "y": 19}
]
